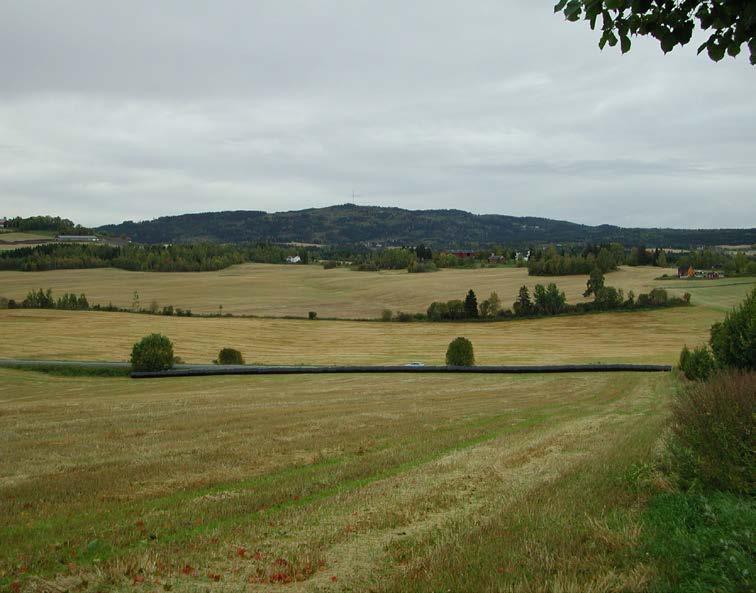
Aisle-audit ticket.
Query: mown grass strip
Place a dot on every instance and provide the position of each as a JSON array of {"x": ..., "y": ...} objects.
[{"x": 272, "y": 493}]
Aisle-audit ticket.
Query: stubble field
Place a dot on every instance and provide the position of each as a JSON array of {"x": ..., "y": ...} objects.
[
  {"x": 345, "y": 483},
  {"x": 336, "y": 483},
  {"x": 650, "y": 336},
  {"x": 273, "y": 290}
]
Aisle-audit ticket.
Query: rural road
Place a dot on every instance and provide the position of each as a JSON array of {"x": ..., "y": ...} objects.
[{"x": 192, "y": 370}]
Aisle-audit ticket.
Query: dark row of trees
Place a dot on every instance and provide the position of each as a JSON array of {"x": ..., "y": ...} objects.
[
  {"x": 43, "y": 299},
  {"x": 47, "y": 223},
  {"x": 544, "y": 300},
  {"x": 196, "y": 257},
  {"x": 385, "y": 259},
  {"x": 551, "y": 262}
]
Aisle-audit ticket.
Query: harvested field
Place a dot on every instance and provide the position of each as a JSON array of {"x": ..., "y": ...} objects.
[
  {"x": 720, "y": 295},
  {"x": 22, "y": 236},
  {"x": 273, "y": 290},
  {"x": 323, "y": 483},
  {"x": 650, "y": 336}
]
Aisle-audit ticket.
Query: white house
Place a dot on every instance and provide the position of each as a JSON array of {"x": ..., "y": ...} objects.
[{"x": 293, "y": 259}]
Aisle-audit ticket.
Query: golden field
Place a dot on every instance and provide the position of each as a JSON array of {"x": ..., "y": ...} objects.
[
  {"x": 278, "y": 290},
  {"x": 377, "y": 483},
  {"x": 9, "y": 237},
  {"x": 337, "y": 483},
  {"x": 650, "y": 336}
]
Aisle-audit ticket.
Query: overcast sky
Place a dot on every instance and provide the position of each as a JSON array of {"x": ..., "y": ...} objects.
[{"x": 114, "y": 111}]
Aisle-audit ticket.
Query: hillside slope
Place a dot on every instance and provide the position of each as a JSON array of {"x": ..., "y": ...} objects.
[{"x": 349, "y": 223}]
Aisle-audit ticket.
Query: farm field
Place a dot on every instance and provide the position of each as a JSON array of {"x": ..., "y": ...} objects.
[
  {"x": 23, "y": 236},
  {"x": 7, "y": 239},
  {"x": 649, "y": 336},
  {"x": 337, "y": 483},
  {"x": 391, "y": 483},
  {"x": 720, "y": 295},
  {"x": 277, "y": 290}
]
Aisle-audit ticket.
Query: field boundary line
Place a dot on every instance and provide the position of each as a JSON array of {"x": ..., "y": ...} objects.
[{"x": 188, "y": 371}]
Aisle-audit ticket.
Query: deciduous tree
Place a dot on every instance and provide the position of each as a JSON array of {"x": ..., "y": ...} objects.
[{"x": 730, "y": 23}]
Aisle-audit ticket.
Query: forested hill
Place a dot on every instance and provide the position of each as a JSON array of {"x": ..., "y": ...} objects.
[{"x": 349, "y": 223}]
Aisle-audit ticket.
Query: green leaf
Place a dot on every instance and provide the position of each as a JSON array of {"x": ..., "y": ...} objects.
[
  {"x": 608, "y": 22},
  {"x": 572, "y": 10},
  {"x": 683, "y": 32},
  {"x": 625, "y": 43},
  {"x": 667, "y": 42},
  {"x": 640, "y": 6},
  {"x": 716, "y": 50},
  {"x": 733, "y": 49},
  {"x": 559, "y": 5}
]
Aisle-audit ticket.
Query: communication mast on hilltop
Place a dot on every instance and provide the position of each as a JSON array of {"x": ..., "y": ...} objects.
[{"x": 355, "y": 196}]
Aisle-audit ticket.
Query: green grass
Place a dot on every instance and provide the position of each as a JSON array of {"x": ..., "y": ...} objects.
[
  {"x": 74, "y": 370},
  {"x": 719, "y": 295},
  {"x": 702, "y": 542}
]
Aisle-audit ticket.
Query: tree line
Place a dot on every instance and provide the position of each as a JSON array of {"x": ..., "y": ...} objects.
[
  {"x": 44, "y": 299},
  {"x": 195, "y": 257},
  {"x": 544, "y": 301},
  {"x": 47, "y": 223}
]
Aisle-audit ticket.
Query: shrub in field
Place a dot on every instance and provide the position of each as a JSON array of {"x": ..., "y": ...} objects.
[
  {"x": 491, "y": 306},
  {"x": 698, "y": 365},
  {"x": 312, "y": 315},
  {"x": 712, "y": 433},
  {"x": 684, "y": 358},
  {"x": 734, "y": 340},
  {"x": 460, "y": 353},
  {"x": 230, "y": 356},
  {"x": 152, "y": 353},
  {"x": 418, "y": 267},
  {"x": 387, "y": 315}
]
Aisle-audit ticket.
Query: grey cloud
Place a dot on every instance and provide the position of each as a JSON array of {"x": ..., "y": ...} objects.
[{"x": 133, "y": 110}]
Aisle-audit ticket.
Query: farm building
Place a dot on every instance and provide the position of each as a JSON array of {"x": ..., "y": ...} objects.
[
  {"x": 463, "y": 254},
  {"x": 3, "y": 222},
  {"x": 293, "y": 259},
  {"x": 686, "y": 272}
]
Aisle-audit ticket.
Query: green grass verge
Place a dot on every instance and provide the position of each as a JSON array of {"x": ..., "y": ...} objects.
[
  {"x": 702, "y": 542},
  {"x": 74, "y": 370}
]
